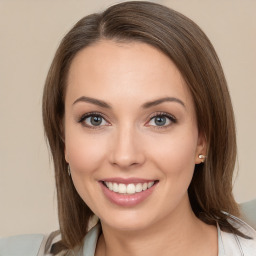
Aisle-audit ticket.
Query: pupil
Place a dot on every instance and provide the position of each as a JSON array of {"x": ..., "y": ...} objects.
[
  {"x": 96, "y": 120},
  {"x": 161, "y": 120}
]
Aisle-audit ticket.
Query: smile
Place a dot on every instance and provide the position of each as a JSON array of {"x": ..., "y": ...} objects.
[
  {"x": 127, "y": 192},
  {"x": 128, "y": 188}
]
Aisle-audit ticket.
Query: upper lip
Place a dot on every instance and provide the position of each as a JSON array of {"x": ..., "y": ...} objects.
[{"x": 126, "y": 180}]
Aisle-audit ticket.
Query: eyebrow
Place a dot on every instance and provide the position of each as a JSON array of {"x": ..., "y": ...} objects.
[
  {"x": 100, "y": 103},
  {"x": 161, "y": 100},
  {"x": 149, "y": 104}
]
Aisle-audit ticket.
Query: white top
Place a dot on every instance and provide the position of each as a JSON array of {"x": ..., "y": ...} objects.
[{"x": 33, "y": 245}]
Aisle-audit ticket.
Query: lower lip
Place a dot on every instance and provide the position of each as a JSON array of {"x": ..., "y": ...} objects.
[{"x": 127, "y": 200}]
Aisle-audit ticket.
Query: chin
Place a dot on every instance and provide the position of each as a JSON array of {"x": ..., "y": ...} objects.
[{"x": 132, "y": 221}]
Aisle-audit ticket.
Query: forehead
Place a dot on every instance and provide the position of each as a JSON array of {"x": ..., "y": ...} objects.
[{"x": 114, "y": 70}]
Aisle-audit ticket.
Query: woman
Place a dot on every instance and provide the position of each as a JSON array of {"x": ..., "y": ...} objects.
[{"x": 141, "y": 128}]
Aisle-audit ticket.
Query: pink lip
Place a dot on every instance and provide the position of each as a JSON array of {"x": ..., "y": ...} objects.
[{"x": 126, "y": 200}]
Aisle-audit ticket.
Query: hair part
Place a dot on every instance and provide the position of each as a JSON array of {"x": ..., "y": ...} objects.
[{"x": 178, "y": 37}]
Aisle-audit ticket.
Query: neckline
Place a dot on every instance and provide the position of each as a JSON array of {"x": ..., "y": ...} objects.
[{"x": 91, "y": 239}]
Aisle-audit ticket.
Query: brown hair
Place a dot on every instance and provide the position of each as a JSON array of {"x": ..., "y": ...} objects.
[{"x": 210, "y": 191}]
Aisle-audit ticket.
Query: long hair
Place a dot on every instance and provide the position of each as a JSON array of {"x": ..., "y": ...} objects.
[{"x": 210, "y": 191}]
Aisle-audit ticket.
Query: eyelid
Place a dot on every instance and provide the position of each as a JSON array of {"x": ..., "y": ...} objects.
[
  {"x": 172, "y": 118},
  {"x": 86, "y": 115},
  {"x": 160, "y": 113}
]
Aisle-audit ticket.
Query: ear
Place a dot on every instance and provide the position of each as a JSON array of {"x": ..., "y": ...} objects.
[
  {"x": 66, "y": 152},
  {"x": 62, "y": 135},
  {"x": 201, "y": 148},
  {"x": 66, "y": 155}
]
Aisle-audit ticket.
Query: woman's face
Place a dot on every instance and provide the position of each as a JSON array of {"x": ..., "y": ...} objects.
[{"x": 131, "y": 135}]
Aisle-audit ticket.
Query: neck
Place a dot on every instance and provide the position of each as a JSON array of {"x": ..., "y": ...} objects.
[{"x": 179, "y": 234}]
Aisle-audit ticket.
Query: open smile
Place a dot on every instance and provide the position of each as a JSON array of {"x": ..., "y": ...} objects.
[
  {"x": 131, "y": 188},
  {"x": 127, "y": 192}
]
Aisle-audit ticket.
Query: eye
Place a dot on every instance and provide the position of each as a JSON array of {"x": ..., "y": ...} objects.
[
  {"x": 161, "y": 120},
  {"x": 93, "y": 120}
]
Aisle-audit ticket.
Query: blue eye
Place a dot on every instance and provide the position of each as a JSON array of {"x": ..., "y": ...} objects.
[
  {"x": 93, "y": 120},
  {"x": 161, "y": 120}
]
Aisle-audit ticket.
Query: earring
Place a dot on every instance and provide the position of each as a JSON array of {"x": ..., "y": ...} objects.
[
  {"x": 69, "y": 173},
  {"x": 203, "y": 157}
]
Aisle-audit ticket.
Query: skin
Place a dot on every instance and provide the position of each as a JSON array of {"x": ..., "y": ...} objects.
[{"x": 129, "y": 143}]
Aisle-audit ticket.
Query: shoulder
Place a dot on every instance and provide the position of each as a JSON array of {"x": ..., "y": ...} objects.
[
  {"x": 235, "y": 244},
  {"x": 248, "y": 210},
  {"x": 87, "y": 247},
  {"x": 35, "y": 245},
  {"x": 28, "y": 245}
]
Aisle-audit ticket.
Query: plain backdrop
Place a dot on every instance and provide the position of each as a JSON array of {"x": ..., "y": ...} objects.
[{"x": 30, "y": 32}]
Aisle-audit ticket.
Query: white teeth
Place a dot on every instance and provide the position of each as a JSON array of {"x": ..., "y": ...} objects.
[
  {"x": 115, "y": 187},
  {"x": 110, "y": 186},
  {"x": 122, "y": 189},
  {"x": 144, "y": 186},
  {"x": 138, "y": 187},
  {"x": 129, "y": 188},
  {"x": 150, "y": 184}
]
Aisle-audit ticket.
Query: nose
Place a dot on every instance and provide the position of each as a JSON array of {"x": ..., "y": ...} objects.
[{"x": 126, "y": 148}]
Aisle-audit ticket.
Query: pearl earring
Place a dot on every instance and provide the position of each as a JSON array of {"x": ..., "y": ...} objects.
[{"x": 202, "y": 157}]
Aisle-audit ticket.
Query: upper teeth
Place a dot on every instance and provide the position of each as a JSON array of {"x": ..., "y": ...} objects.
[{"x": 129, "y": 188}]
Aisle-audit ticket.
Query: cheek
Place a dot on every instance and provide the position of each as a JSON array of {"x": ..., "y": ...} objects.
[
  {"x": 175, "y": 156},
  {"x": 175, "y": 159},
  {"x": 84, "y": 152}
]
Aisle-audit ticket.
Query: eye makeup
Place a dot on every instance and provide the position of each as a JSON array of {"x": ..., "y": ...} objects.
[
  {"x": 97, "y": 120},
  {"x": 162, "y": 120}
]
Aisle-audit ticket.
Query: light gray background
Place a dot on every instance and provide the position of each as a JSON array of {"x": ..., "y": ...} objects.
[{"x": 30, "y": 32}]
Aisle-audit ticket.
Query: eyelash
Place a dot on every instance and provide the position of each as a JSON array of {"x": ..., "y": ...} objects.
[
  {"x": 90, "y": 114},
  {"x": 171, "y": 118}
]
